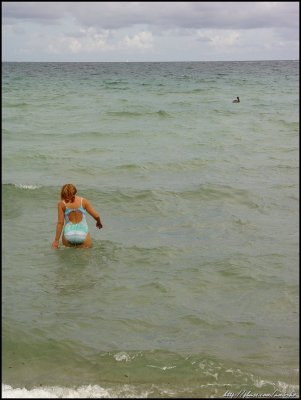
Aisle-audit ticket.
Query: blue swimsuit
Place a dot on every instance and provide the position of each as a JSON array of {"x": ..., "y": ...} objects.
[{"x": 75, "y": 233}]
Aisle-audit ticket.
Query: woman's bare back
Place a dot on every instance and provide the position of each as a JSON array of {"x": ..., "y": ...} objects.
[{"x": 75, "y": 216}]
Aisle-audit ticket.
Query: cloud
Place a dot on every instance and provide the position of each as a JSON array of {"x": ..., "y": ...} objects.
[
  {"x": 85, "y": 41},
  {"x": 218, "y": 38},
  {"x": 150, "y": 30},
  {"x": 89, "y": 40},
  {"x": 12, "y": 29},
  {"x": 142, "y": 40},
  {"x": 44, "y": 12},
  {"x": 198, "y": 15}
]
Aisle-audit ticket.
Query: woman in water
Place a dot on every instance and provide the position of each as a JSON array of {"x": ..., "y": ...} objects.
[{"x": 73, "y": 209}]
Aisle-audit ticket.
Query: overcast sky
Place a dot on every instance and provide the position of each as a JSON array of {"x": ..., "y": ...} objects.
[{"x": 149, "y": 31}]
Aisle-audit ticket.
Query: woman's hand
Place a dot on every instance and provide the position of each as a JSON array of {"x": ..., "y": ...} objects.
[
  {"x": 98, "y": 224},
  {"x": 55, "y": 244}
]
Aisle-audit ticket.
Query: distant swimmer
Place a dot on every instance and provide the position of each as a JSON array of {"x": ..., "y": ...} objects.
[{"x": 236, "y": 101}]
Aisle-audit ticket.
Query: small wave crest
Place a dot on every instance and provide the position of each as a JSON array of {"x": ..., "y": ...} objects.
[
  {"x": 200, "y": 374},
  {"x": 16, "y": 105},
  {"x": 213, "y": 192},
  {"x": 163, "y": 113},
  {"x": 122, "y": 356},
  {"x": 22, "y": 186},
  {"x": 28, "y": 187},
  {"x": 136, "y": 114},
  {"x": 125, "y": 114},
  {"x": 262, "y": 389}
]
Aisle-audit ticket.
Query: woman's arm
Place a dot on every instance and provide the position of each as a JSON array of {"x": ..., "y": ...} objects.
[
  {"x": 59, "y": 225},
  {"x": 92, "y": 212}
]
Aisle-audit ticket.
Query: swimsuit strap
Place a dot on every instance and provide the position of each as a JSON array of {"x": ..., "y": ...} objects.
[
  {"x": 70, "y": 209},
  {"x": 75, "y": 208}
]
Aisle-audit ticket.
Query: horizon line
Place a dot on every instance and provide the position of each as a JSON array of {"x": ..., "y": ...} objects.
[{"x": 127, "y": 61}]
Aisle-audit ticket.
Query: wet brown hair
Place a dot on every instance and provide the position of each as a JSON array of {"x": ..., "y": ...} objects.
[{"x": 68, "y": 192}]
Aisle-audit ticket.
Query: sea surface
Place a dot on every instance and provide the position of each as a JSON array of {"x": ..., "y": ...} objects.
[{"x": 191, "y": 289}]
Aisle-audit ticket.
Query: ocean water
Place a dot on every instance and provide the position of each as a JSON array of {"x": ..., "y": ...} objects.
[{"x": 191, "y": 289}]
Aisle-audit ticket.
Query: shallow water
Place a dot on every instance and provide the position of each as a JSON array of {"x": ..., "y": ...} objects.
[{"x": 191, "y": 289}]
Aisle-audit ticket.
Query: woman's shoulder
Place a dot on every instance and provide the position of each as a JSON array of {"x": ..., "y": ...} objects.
[
  {"x": 61, "y": 204},
  {"x": 84, "y": 201}
]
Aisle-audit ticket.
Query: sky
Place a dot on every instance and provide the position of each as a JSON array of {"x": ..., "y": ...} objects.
[{"x": 149, "y": 31}]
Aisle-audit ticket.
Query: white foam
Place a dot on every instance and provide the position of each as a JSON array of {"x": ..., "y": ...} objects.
[
  {"x": 30, "y": 187},
  {"x": 288, "y": 390},
  {"x": 53, "y": 392},
  {"x": 122, "y": 356},
  {"x": 163, "y": 368},
  {"x": 83, "y": 392}
]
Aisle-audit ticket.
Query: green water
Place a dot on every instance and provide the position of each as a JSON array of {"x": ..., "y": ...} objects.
[{"x": 191, "y": 288}]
